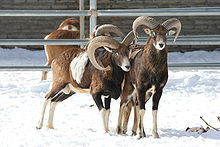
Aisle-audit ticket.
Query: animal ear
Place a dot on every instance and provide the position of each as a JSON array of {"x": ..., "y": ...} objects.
[
  {"x": 148, "y": 31},
  {"x": 171, "y": 32}
]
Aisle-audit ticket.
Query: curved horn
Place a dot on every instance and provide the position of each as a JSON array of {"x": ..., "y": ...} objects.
[
  {"x": 144, "y": 20},
  {"x": 173, "y": 23},
  {"x": 129, "y": 38},
  {"x": 109, "y": 28},
  {"x": 97, "y": 42}
]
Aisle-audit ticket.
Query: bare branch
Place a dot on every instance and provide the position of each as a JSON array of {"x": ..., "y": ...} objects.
[{"x": 209, "y": 124}]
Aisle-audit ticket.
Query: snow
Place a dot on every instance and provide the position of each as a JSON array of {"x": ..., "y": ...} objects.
[{"x": 187, "y": 96}]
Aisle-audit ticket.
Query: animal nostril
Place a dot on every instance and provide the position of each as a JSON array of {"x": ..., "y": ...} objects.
[
  {"x": 161, "y": 45},
  {"x": 127, "y": 67}
]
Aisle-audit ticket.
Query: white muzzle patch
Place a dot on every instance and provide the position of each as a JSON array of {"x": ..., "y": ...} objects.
[
  {"x": 126, "y": 66},
  {"x": 78, "y": 65},
  {"x": 160, "y": 45}
]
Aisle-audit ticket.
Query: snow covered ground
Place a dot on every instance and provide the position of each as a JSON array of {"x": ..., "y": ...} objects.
[{"x": 187, "y": 96}]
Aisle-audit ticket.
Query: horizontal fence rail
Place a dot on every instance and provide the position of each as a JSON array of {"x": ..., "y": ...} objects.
[
  {"x": 192, "y": 11},
  {"x": 201, "y": 11},
  {"x": 43, "y": 42},
  {"x": 25, "y": 68},
  {"x": 182, "y": 40},
  {"x": 171, "y": 66},
  {"x": 44, "y": 13},
  {"x": 194, "y": 66}
]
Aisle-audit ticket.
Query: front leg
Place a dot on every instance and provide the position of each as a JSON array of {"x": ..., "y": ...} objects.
[
  {"x": 107, "y": 108},
  {"x": 141, "y": 111},
  {"x": 102, "y": 110},
  {"x": 156, "y": 99}
]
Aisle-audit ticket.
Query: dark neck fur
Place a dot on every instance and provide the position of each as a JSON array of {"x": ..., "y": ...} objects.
[{"x": 155, "y": 59}]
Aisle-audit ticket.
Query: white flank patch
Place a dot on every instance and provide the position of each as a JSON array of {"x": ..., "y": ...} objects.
[
  {"x": 73, "y": 28},
  {"x": 77, "y": 66}
]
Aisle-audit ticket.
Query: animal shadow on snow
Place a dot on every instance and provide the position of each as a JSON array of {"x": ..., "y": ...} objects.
[{"x": 211, "y": 134}]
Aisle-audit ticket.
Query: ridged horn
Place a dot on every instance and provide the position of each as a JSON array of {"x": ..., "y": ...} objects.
[
  {"x": 129, "y": 38},
  {"x": 144, "y": 20},
  {"x": 97, "y": 42},
  {"x": 171, "y": 24},
  {"x": 109, "y": 28}
]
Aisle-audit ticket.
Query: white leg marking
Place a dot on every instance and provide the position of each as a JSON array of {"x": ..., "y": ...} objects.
[
  {"x": 135, "y": 124},
  {"x": 120, "y": 116},
  {"x": 40, "y": 122},
  {"x": 107, "y": 118},
  {"x": 51, "y": 115},
  {"x": 66, "y": 89},
  {"x": 77, "y": 66},
  {"x": 154, "y": 131},
  {"x": 104, "y": 96},
  {"x": 141, "y": 122},
  {"x": 103, "y": 114}
]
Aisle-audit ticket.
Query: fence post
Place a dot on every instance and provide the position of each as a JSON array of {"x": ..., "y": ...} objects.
[
  {"x": 82, "y": 21},
  {"x": 93, "y": 17}
]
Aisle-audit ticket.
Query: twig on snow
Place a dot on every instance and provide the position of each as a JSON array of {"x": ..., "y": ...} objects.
[
  {"x": 199, "y": 130},
  {"x": 209, "y": 124}
]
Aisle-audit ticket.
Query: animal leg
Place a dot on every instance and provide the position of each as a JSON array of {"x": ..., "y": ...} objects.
[
  {"x": 156, "y": 99},
  {"x": 107, "y": 107},
  {"x": 104, "y": 113},
  {"x": 141, "y": 111},
  {"x": 141, "y": 123},
  {"x": 126, "y": 115},
  {"x": 51, "y": 115},
  {"x": 44, "y": 73},
  {"x": 120, "y": 116},
  {"x": 135, "y": 124},
  {"x": 40, "y": 122}
]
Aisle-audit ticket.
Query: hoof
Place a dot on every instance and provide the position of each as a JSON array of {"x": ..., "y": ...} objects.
[
  {"x": 155, "y": 135},
  {"x": 38, "y": 128},
  {"x": 134, "y": 133},
  {"x": 50, "y": 127},
  {"x": 119, "y": 131}
]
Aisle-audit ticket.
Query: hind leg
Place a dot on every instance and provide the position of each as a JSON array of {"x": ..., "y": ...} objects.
[
  {"x": 44, "y": 73},
  {"x": 58, "y": 93},
  {"x": 51, "y": 115},
  {"x": 40, "y": 122},
  {"x": 63, "y": 94}
]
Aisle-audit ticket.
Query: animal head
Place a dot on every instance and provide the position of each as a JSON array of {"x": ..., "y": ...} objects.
[
  {"x": 70, "y": 24},
  {"x": 119, "y": 51},
  {"x": 158, "y": 32}
]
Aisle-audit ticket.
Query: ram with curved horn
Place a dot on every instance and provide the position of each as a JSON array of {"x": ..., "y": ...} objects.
[
  {"x": 148, "y": 74},
  {"x": 68, "y": 29},
  {"x": 84, "y": 71}
]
